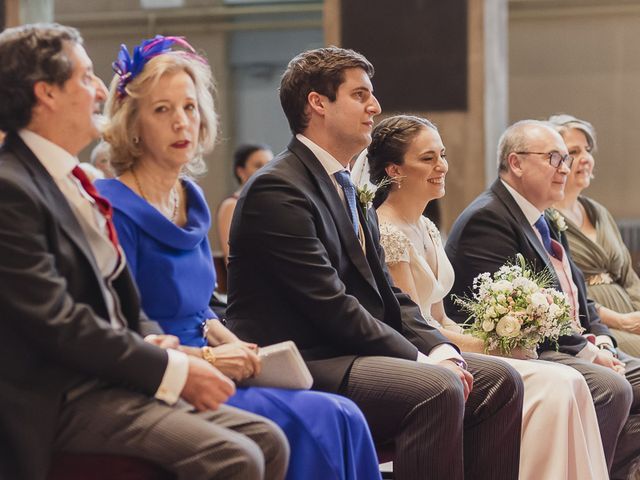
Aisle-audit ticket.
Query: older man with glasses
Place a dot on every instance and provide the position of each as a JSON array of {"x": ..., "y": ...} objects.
[{"x": 509, "y": 218}]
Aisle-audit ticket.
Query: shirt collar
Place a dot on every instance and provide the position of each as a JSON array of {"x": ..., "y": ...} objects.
[
  {"x": 55, "y": 159},
  {"x": 328, "y": 162},
  {"x": 531, "y": 213}
]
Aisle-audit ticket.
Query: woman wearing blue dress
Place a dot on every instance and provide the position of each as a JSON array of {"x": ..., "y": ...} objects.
[{"x": 161, "y": 121}]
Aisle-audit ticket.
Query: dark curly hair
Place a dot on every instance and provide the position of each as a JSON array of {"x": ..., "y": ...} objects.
[
  {"x": 390, "y": 141},
  {"x": 321, "y": 71},
  {"x": 29, "y": 54}
]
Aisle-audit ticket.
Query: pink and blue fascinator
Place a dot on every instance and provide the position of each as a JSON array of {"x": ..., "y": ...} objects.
[{"x": 128, "y": 68}]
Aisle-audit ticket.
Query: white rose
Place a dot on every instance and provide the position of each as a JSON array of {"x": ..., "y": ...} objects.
[
  {"x": 508, "y": 326},
  {"x": 525, "y": 284},
  {"x": 487, "y": 325},
  {"x": 490, "y": 313},
  {"x": 502, "y": 286},
  {"x": 501, "y": 309},
  {"x": 554, "y": 310},
  {"x": 539, "y": 300},
  {"x": 501, "y": 298}
]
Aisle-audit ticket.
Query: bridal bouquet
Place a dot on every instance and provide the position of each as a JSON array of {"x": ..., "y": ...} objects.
[{"x": 515, "y": 307}]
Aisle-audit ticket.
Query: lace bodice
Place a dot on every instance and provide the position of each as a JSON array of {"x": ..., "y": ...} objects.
[
  {"x": 431, "y": 287},
  {"x": 395, "y": 243}
]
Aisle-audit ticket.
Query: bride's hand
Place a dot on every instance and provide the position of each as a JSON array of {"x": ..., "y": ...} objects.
[{"x": 518, "y": 353}]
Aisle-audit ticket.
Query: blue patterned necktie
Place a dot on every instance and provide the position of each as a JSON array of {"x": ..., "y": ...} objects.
[
  {"x": 543, "y": 229},
  {"x": 344, "y": 180}
]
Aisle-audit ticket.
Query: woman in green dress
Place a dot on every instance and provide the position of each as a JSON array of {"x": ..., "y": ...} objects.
[{"x": 595, "y": 241}]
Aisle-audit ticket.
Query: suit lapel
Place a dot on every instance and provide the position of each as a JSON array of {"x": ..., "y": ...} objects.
[
  {"x": 54, "y": 198},
  {"x": 516, "y": 212},
  {"x": 373, "y": 260},
  {"x": 338, "y": 211}
]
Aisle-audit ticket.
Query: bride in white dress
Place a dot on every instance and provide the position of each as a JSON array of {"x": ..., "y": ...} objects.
[{"x": 560, "y": 435}]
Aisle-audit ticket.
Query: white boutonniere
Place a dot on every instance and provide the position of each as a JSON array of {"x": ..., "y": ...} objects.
[
  {"x": 558, "y": 220},
  {"x": 367, "y": 192},
  {"x": 365, "y": 196}
]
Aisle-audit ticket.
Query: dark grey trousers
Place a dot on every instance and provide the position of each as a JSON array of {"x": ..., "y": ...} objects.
[
  {"x": 617, "y": 403},
  {"x": 421, "y": 407},
  {"x": 227, "y": 443}
]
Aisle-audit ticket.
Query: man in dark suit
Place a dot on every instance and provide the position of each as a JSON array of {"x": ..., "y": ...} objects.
[
  {"x": 306, "y": 265},
  {"x": 507, "y": 219},
  {"x": 75, "y": 373}
]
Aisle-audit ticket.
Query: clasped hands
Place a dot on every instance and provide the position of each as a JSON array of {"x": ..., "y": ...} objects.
[
  {"x": 238, "y": 360},
  {"x": 606, "y": 359},
  {"x": 208, "y": 386},
  {"x": 629, "y": 322}
]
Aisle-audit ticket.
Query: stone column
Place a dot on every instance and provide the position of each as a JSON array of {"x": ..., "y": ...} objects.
[{"x": 18, "y": 12}]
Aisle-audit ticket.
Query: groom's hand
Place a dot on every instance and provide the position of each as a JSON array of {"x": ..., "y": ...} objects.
[
  {"x": 465, "y": 376},
  {"x": 206, "y": 388}
]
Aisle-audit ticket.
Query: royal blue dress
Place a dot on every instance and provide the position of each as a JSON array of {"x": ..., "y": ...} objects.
[{"x": 173, "y": 268}]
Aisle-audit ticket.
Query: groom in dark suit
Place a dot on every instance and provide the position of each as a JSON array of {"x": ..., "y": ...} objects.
[
  {"x": 305, "y": 264},
  {"x": 75, "y": 373},
  {"x": 507, "y": 219}
]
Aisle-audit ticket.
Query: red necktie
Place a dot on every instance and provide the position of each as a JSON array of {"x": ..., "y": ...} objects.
[{"x": 103, "y": 204}]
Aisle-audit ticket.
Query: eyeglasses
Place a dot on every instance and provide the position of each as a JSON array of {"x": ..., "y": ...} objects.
[{"x": 555, "y": 158}]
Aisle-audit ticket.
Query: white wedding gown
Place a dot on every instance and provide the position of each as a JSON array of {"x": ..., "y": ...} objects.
[{"x": 560, "y": 435}]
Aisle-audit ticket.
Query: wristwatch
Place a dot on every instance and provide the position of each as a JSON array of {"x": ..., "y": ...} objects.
[{"x": 606, "y": 346}]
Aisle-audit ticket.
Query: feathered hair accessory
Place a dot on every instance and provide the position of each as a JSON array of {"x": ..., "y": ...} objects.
[{"x": 128, "y": 68}]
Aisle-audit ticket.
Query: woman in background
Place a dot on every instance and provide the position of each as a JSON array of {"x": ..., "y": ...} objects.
[
  {"x": 100, "y": 159},
  {"x": 595, "y": 242},
  {"x": 247, "y": 160},
  {"x": 408, "y": 152},
  {"x": 161, "y": 122}
]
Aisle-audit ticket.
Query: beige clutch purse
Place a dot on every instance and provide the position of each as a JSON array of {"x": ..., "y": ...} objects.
[{"x": 282, "y": 367}]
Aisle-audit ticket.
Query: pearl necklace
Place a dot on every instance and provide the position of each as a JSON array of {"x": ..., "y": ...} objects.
[{"x": 174, "y": 198}]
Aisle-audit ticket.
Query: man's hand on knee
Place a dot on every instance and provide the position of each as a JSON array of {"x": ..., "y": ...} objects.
[
  {"x": 465, "y": 376},
  {"x": 206, "y": 388},
  {"x": 606, "y": 359}
]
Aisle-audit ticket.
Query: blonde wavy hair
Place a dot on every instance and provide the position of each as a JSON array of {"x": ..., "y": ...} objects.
[{"x": 122, "y": 111}]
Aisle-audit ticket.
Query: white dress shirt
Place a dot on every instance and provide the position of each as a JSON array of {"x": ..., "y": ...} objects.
[
  {"x": 60, "y": 163},
  {"x": 440, "y": 352}
]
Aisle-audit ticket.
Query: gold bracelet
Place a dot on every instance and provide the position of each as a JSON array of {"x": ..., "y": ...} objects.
[{"x": 208, "y": 355}]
